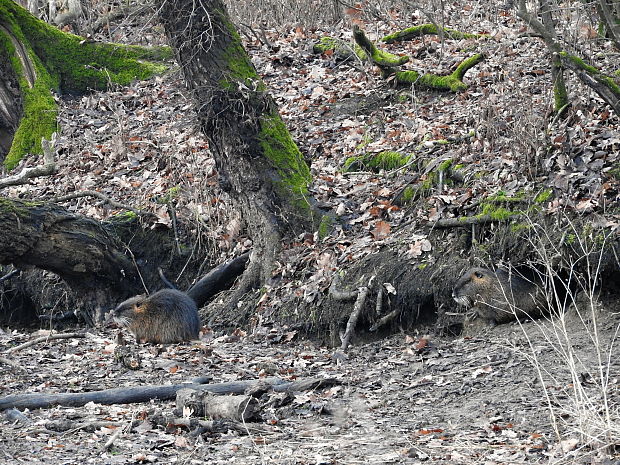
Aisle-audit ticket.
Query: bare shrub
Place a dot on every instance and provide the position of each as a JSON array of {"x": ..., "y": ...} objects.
[{"x": 579, "y": 390}]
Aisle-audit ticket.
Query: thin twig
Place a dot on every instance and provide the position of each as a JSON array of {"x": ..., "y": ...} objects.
[
  {"x": 105, "y": 198},
  {"x": 44, "y": 339},
  {"x": 357, "y": 310},
  {"x": 46, "y": 169}
]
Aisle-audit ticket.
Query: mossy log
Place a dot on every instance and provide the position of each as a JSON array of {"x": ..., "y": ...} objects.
[
  {"x": 428, "y": 29},
  {"x": 388, "y": 64},
  {"x": 346, "y": 50},
  {"x": 36, "y": 59}
]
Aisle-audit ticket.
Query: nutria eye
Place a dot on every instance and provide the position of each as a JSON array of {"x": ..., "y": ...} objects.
[{"x": 478, "y": 274}]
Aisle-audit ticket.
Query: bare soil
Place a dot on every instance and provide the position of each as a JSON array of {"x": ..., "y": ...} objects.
[{"x": 406, "y": 399}]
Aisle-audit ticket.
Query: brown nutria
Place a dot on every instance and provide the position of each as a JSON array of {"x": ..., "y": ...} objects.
[
  {"x": 163, "y": 317},
  {"x": 497, "y": 296}
]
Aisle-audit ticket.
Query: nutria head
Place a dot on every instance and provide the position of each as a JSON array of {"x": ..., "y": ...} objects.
[
  {"x": 129, "y": 309},
  {"x": 474, "y": 283}
]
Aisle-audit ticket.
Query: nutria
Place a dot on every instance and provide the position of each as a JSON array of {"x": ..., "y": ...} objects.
[
  {"x": 163, "y": 317},
  {"x": 498, "y": 297}
]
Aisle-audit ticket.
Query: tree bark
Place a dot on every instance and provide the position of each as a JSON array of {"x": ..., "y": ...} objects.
[
  {"x": 51, "y": 60},
  {"x": 258, "y": 162},
  {"x": 76, "y": 248}
]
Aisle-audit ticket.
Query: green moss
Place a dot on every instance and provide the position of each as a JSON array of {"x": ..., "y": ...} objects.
[
  {"x": 124, "y": 216},
  {"x": 453, "y": 82},
  {"x": 445, "y": 165},
  {"x": 520, "y": 227},
  {"x": 421, "y": 266},
  {"x": 560, "y": 94},
  {"x": 381, "y": 58},
  {"x": 430, "y": 81},
  {"x": 325, "y": 226},
  {"x": 498, "y": 213},
  {"x": 239, "y": 68},
  {"x": 543, "y": 196},
  {"x": 39, "y": 108},
  {"x": 579, "y": 63},
  {"x": 615, "y": 172},
  {"x": 169, "y": 196},
  {"x": 386, "y": 160},
  {"x": 286, "y": 159},
  {"x": 408, "y": 195},
  {"x": 324, "y": 44},
  {"x": 501, "y": 196},
  {"x": 65, "y": 62},
  {"x": 17, "y": 207},
  {"x": 427, "y": 29}
]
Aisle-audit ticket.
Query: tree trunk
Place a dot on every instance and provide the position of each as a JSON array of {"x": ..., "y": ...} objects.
[
  {"x": 258, "y": 162},
  {"x": 76, "y": 248},
  {"x": 51, "y": 60}
]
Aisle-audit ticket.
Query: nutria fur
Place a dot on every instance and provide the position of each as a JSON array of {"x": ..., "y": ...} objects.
[
  {"x": 165, "y": 316},
  {"x": 498, "y": 297}
]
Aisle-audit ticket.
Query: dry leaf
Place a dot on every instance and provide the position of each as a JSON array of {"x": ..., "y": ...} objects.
[{"x": 381, "y": 230}]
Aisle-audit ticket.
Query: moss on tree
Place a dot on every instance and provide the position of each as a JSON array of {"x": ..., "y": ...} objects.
[
  {"x": 281, "y": 150},
  {"x": 64, "y": 63}
]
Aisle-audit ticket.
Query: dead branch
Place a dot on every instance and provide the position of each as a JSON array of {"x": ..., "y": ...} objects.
[
  {"x": 47, "y": 169},
  {"x": 362, "y": 292},
  {"x": 205, "y": 404},
  {"x": 603, "y": 85},
  {"x": 105, "y": 198},
  {"x": 218, "y": 279},
  {"x": 44, "y": 339},
  {"x": 12, "y": 364},
  {"x": 113, "y": 438},
  {"x": 9, "y": 275},
  {"x": 135, "y": 394},
  {"x": 386, "y": 319}
]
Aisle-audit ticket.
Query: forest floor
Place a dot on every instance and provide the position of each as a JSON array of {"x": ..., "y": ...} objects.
[
  {"x": 452, "y": 400},
  {"x": 469, "y": 400}
]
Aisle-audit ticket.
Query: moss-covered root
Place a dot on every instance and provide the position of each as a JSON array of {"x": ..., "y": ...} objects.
[
  {"x": 342, "y": 49},
  {"x": 383, "y": 60},
  {"x": 62, "y": 62},
  {"x": 605, "y": 86},
  {"x": 453, "y": 82},
  {"x": 428, "y": 29}
]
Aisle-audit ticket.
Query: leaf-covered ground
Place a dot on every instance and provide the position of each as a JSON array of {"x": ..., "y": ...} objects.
[
  {"x": 406, "y": 399},
  {"x": 451, "y": 400}
]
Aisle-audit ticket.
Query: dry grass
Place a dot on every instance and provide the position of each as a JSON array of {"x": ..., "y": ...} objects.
[{"x": 581, "y": 390}]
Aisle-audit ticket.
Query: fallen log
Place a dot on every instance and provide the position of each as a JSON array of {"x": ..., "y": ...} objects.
[
  {"x": 203, "y": 403},
  {"x": 136, "y": 394}
]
